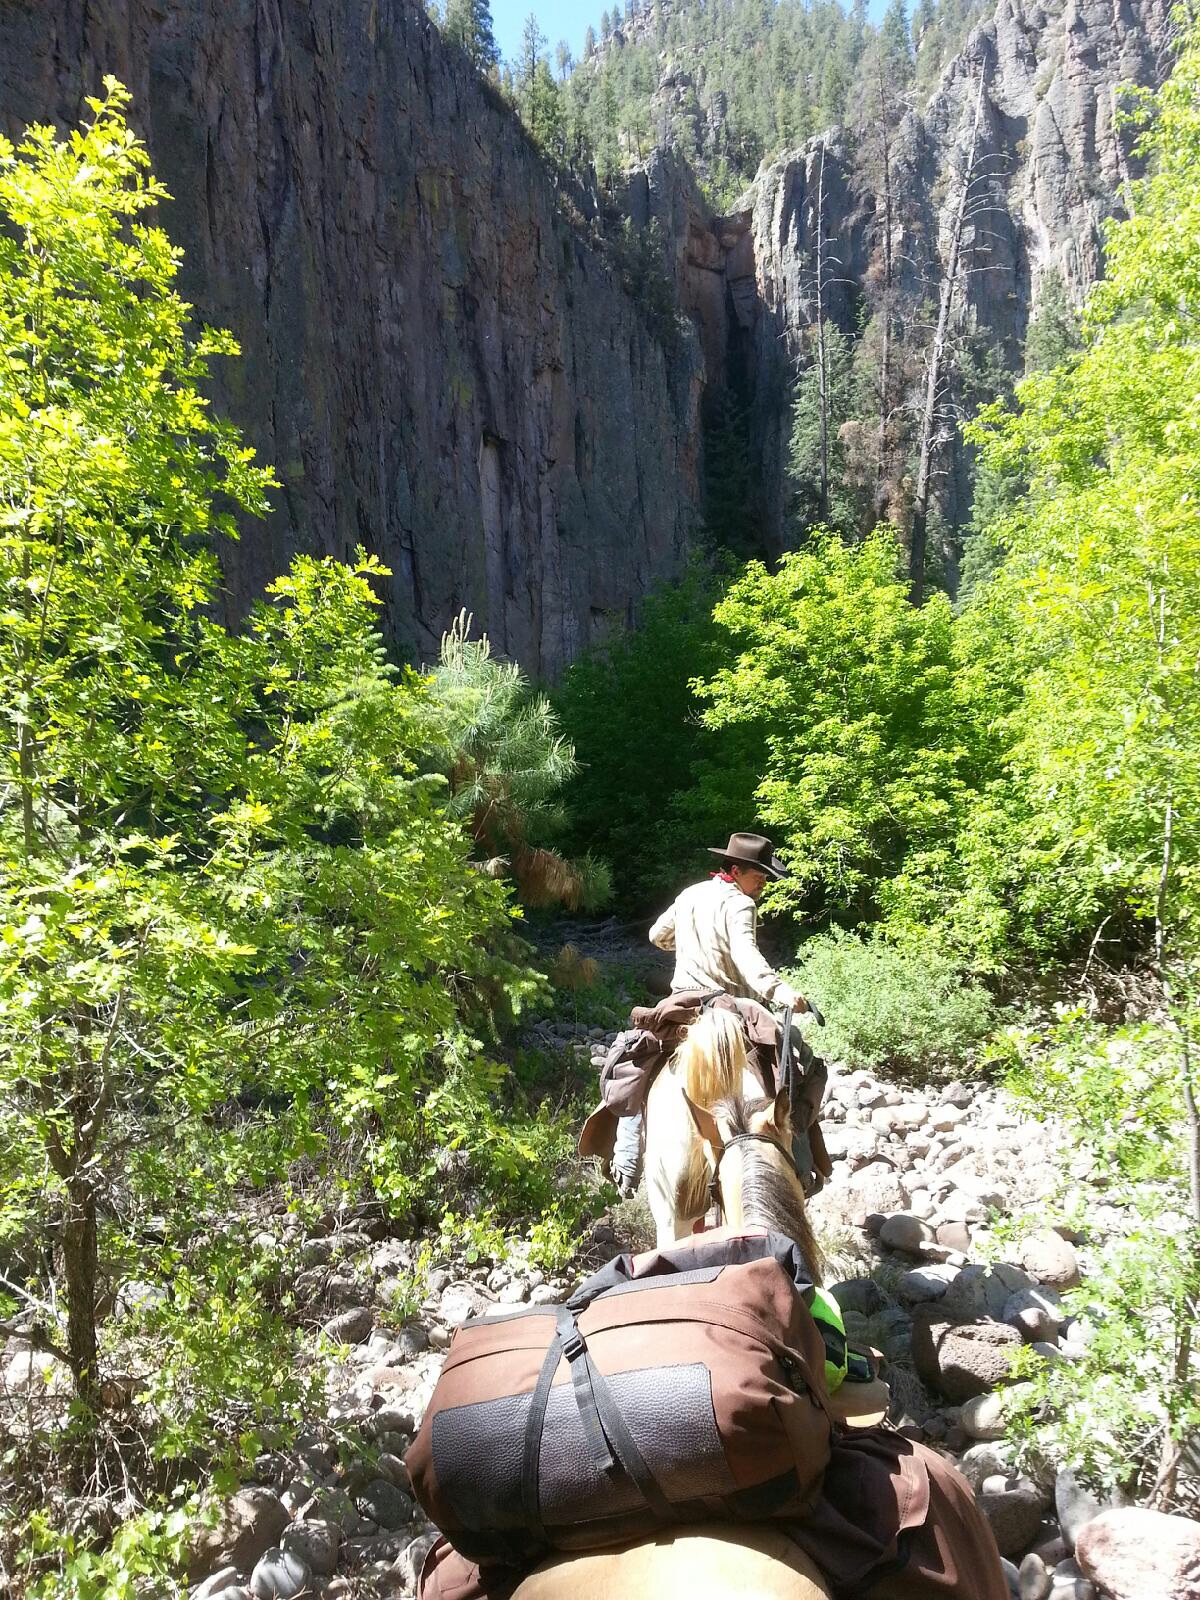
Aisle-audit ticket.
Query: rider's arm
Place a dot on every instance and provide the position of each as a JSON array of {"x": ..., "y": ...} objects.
[
  {"x": 757, "y": 973},
  {"x": 663, "y": 932}
]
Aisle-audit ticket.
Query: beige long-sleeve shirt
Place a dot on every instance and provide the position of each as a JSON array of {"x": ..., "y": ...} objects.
[{"x": 713, "y": 930}]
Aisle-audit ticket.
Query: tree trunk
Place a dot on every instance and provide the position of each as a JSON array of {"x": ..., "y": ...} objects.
[
  {"x": 80, "y": 1262},
  {"x": 885, "y": 375},
  {"x": 822, "y": 365},
  {"x": 937, "y": 364}
]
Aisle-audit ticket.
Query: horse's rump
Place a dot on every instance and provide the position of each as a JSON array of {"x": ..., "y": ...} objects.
[{"x": 711, "y": 1561}]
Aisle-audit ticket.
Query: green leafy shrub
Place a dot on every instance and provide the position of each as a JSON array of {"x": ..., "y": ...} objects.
[
  {"x": 1121, "y": 1414},
  {"x": 888, "y": 1008},
  {"x": 849, "y": 695},
  {"x": 240, "y": 931},
  {"x": 654, "y": 786}
]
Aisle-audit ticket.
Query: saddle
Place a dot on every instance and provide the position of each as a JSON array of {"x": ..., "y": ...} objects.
[{"x": 638, "y": 1054}]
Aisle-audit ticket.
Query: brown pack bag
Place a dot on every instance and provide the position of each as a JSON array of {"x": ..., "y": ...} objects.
[{"x": 678, "y": 1386}]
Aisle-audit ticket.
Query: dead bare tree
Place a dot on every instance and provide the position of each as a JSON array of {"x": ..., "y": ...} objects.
[
  {"x": 822, "y": 363},
  {"x": 938, "y": 357}
]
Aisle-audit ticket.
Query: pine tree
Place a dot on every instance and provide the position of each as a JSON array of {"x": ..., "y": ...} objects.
[
  {"x": 589, "y": 43},
  {"x": 894, "y": 38},
  {"x": 469, "y": 24},
  {"x": 562, "y": 59}
]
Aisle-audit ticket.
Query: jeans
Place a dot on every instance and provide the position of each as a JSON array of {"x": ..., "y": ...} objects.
[{"x": 627, "y": 1153}]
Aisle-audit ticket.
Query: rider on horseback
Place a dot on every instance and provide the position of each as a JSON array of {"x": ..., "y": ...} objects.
[{"x": 712, "y": 927}]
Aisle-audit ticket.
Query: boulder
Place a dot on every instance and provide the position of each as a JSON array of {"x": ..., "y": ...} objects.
[
  {"x": 315, "y": 1542},
  {"x": 1051, "y": 1260},
  {"x": 280, "y": 1575},
  {"x": 1014, "y": 1512},
  {"x": 960, "y": 1360},
  {"x": 1134, "y": 1554},
  {"x": 249, "y": 1523},
  {"x": 906, "y": 1232},
  {"x": 350, "y": 1327},
  {"x": 983, "y": 1416},
  {"x": 1036, "y": 1314}
]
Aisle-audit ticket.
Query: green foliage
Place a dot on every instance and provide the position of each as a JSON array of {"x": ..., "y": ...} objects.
[
  {"x": 238, "y": 926},
  {"x": 469, "y": 24},
  {"x": 1120, "y": 1414},
  {"x": 143, "y": 1556},
  {"x": 653, "y": 784},
  {"x": 849, "y": 694},
  {"x": 890, "y": 1008}
]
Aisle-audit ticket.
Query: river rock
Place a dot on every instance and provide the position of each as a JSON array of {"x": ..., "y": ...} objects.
[
  {"x": 1015, "y": 1513},
  {"x": 983, "y": 1416},
  {"x": 460, "y": 1301},
  {"x": 315, "y": 1542},
  {"x": 350, "y": 1327},
  {"x": 1075, "y": 1506},
  {"x": 925, "y": 1283},
  {"x": 249, "y": 1523},
  {"x": 1035, "y": 1313},
  {"x": 954, "y": 1235},
  {"x": 863, "y": 1295},
  {"x": 960, "y": 1360},
  {"x": 1069, "y": 1583},
  {"x": 1134, "y": 1554},
  {"x": 280, "y": 1575},
  {"x": 223, "y": 1578},
  {"x": 385, "y": 1504},
  {"x": 905, "y": 1232},
  {"x": 1033, "y": 1578},
  {"x": 1051, "y": 1260}
]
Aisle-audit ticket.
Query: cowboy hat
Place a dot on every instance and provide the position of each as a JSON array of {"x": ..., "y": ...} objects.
[{"x": 750, "y": 850}]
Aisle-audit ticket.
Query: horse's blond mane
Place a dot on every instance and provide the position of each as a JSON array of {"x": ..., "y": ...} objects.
[{"x": 710, "y": 1060}]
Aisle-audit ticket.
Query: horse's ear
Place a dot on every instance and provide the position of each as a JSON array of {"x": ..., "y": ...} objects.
[
  {"x": 782, "y": 1114},
  {"x": 706, "y": 1124}
]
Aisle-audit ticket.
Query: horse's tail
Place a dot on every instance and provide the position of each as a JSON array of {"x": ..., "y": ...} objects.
[{"x": 712, "y": 1058}]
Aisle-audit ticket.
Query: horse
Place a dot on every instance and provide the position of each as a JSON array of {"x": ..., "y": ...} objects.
[
  {"x": 741, "y": 1145},
  {"x": 710, "y": 1065}
]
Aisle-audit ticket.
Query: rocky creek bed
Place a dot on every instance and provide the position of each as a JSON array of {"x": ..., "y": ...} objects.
[{"x": 910, "y": 1218}]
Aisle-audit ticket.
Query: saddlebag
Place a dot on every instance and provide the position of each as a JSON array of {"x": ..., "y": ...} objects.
[{"x": 681, "y": 1385}]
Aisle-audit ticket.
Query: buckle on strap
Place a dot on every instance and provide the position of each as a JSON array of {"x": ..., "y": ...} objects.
[{"x": 573, "y": 1345}]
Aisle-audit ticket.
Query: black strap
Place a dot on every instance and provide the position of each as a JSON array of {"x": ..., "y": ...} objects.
[
  {"x": 787, "y": 1063},
  {"x": 535, "y": 1422},
  {"x": 603, "y": 1425},
  {"x": 586, "y": 1381},
  {"x": 628, "y": 1454}
]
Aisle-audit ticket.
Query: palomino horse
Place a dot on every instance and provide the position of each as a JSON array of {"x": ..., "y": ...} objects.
[
  {"x": 745, "y": 1147},
  {"x": 710, "y": 1065}
]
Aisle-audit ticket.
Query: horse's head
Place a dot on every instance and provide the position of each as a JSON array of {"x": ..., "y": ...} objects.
[{"x": 748, "y": 1144}]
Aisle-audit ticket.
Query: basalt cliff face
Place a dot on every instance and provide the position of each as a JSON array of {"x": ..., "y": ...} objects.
[
  {"x": 439, "y": 366},
  {"x": 445, "y": 370},
  {"x": 1050, "y": 167}
]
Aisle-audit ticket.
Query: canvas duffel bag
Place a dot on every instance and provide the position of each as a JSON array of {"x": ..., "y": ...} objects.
[{"x": 676, "y": 1386}]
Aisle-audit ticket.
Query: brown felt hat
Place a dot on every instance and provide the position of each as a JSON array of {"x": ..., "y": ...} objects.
[{"x": 750, "y": 850}]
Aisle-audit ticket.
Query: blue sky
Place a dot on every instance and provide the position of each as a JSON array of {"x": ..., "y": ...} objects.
[{"x": 567, "y": 19}]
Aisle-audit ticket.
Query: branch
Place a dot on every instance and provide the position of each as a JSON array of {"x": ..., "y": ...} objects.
[{"x": 37, "y": 1338}]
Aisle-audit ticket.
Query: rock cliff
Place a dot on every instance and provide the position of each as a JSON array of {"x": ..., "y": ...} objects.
[
  {"x": 439, "y": 365},
  {"x": 445, "y": 369},
  {"x": 1050, "y": 167}
]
